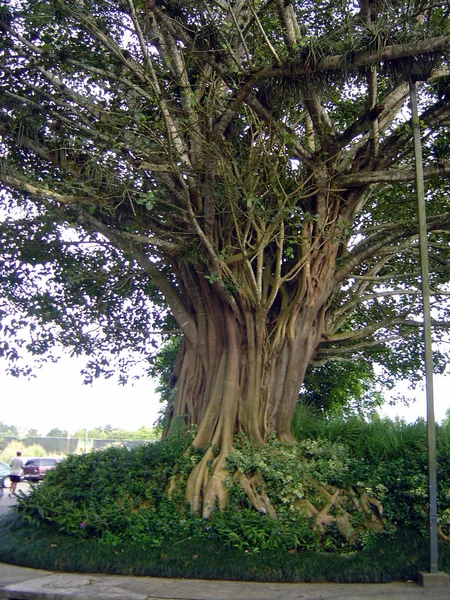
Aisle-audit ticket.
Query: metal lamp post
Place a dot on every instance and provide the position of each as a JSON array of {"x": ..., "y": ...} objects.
[{"x": 434, "y": 577}]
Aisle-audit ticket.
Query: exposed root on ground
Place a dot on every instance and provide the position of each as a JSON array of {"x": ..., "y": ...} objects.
[
  {"x": 206, "y": 489},
  {"x": 350, "y": 510},
  {"x": 255, "y": 489}
]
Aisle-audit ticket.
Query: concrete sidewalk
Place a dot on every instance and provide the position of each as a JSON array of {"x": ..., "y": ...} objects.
[{"x": 31, "y": 584}]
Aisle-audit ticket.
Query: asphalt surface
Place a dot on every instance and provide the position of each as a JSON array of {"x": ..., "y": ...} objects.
[
  {"x": 6, "y": 502},
  {"x": 21, "y": 583}
]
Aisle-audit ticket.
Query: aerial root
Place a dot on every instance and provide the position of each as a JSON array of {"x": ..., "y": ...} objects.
[
  {"x": 206, "y": 490},
  {"x": 329, "y": 505},
  {"x": 254, "y": 488}
]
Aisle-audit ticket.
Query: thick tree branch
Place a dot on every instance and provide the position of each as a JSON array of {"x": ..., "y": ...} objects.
[
  {"x": 369, "y": 331},
  {"x": 334, "y": 63},
  {"x": 392, "y": 176},
  {"x": 384, "y": 240}
]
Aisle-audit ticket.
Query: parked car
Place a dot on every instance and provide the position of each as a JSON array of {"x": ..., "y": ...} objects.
[
  {"x": 35, "y": 468},
  {"x": 4, "y": 474}
]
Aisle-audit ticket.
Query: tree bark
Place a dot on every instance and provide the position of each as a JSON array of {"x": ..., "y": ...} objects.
[{"x": 241, "y": 374}]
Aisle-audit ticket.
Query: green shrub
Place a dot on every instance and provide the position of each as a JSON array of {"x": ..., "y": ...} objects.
[
  {"x": 252, "y": 531},
  {"x": 119, "y": 496},
  {"x": 116, "y": 494},
  {"x": 285, "y": 467}
]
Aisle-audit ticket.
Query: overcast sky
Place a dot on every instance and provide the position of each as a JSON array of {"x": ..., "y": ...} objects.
[
  {"x": 418, "y": 408},
  {"x": 57, "y": 398}
]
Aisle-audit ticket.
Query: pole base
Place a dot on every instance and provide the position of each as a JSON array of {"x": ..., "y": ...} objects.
[{"x": 439, "y": 579}]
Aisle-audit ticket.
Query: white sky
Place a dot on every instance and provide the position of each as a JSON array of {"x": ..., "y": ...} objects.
[
  {"x": 57, "y": 398},
  {"x": 418, "y": 408}
]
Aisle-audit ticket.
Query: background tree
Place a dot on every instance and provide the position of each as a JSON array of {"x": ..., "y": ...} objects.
[
  {"x": 342, "y": 388},
  {"x": 251, "y": 161},
  {"x": 7, "y": 429},
  {"x": 55, "y": 432},
  {"x": 108, "y": 432}
]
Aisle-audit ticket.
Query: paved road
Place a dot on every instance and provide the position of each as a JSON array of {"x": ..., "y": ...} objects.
[{"x": 6, "y": 502}]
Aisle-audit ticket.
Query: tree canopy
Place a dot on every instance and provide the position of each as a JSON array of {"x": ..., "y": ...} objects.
[
  {"x": 56, "y": 432},
  {"x": 246, "y": 164}
]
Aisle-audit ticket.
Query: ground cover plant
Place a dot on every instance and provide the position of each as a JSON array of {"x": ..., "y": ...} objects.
[
  {"x": 112, "y": 509},
  {"x": 399, "y": 559}
]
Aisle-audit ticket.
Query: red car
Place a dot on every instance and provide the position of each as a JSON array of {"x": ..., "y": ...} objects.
[{"x": 35, "y": 468}]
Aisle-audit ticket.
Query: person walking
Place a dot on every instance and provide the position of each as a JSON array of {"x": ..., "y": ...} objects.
[{"x": 16, "y": 466}]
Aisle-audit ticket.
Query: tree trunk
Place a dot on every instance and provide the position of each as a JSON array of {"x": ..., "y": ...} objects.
[{"x": 243, "y": 375}]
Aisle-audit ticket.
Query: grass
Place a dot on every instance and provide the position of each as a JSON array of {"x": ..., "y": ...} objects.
[
  {"x": 378, "y": 439},
  {"x": 390, "y": 559}
]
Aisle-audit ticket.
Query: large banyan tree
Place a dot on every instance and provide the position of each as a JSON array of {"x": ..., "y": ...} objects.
[{"x": 250, "y": 163}]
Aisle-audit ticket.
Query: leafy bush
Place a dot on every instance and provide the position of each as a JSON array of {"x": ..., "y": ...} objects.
[
  {"x": 119, "y": 496},
  {"x": 375, "y": 439},
  {"x": 252, "y": 531},
  {"x": 285, "y": 467},
  {"x": 389, "y": 461}
]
